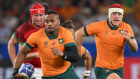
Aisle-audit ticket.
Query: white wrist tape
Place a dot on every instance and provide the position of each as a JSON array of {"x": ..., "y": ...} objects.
[{"x": 87, "y": 73}]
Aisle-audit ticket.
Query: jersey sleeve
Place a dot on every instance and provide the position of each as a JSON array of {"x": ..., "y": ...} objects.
[
  {"x": 83, "y": 51},
  {"x": 31, "y": 41},
  {"x": 90, "y": 29},
  {"x": 19, "y": 36},
  {"x": 68, "y": 40},
  {"x": 130, "y": 31}
]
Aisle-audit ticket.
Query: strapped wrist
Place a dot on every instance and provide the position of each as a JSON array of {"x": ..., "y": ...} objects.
[
  {"x": 64, "y": 56},
  {"x": 15, "y": 71}
]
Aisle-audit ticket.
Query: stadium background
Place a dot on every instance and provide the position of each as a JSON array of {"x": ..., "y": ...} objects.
[{"x": 14, "y": 12}]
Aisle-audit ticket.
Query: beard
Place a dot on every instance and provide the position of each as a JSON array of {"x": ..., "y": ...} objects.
[{"x": 51, "y": 32}]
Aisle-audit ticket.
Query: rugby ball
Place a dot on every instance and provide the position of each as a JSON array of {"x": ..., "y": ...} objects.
[{"x": 26, "y": 69}]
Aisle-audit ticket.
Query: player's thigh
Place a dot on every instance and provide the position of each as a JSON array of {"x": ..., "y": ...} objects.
[
  {"x": 113, "y": 76},
  {"x": 71, "y": 74},
  {"x": 102, "y": 73},
  {"x": 119, "y": 72}
]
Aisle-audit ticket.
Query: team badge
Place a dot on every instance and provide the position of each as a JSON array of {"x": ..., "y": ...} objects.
[
  {"x": 46, "y": 42},
  {"x": 121, "y": 31},
  {"x": 61, "y": 40}
]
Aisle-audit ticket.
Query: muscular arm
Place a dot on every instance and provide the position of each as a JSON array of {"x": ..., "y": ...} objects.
[
  {"x": 133, "y": 45},
  {"x": 21, "y": 56},
  {"x": 12, "y": 51},
  {"x": 30, "y": 55},
  {"x": 88, "y": 60},
  {"x": 11, "y": 48},
  {"x": 78, "y": 40}
]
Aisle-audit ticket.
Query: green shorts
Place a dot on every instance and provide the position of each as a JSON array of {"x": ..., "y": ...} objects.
[
  {"x": 68, "y": 74},
  {"x": 103, "y": 73}
]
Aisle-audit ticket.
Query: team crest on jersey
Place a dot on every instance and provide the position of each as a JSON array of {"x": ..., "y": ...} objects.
[
  {"x": 121, "y": 31},
  {"x": 46, "y": 42},
  {"x": 61, "y": 40},
  {"x": 54, "y": 43}
]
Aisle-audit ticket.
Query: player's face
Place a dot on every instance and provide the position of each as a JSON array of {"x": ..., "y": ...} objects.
[
  {"x": 116, "y": 18},
  {"x": 37, "y": 19},
  {"x": 52, "y": 23}
]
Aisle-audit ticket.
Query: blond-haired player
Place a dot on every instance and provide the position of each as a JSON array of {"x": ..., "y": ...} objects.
[{"x": 111, "y": 36}]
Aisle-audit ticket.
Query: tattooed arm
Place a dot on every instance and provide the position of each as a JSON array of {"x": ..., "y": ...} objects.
[
  {"x": 21, "y": 56},
  {"x": 19, "y": 60}
]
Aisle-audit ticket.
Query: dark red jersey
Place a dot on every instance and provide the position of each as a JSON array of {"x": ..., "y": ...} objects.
[{"x": 22, "y": 34}]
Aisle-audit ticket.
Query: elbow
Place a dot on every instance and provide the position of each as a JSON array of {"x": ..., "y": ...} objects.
[{"x": 135, "y": 50}]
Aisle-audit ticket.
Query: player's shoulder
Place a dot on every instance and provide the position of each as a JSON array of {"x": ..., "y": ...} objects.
[
  {"x": 23, "y": 27},
  {"x": 124, "y": 24},
  {"x": 82, "y": 47},
  {"x": 63, "y": 30},
  {"x": 25, "y": 24}
]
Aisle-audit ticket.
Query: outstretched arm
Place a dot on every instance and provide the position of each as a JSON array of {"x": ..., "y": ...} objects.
[
  {"x": 11, "y": 48},
  {"x": 78, "y": 40}
]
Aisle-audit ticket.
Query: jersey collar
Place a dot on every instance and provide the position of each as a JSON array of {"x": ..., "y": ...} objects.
[
  {"x": 112, "y": 28},
  {"x": 51, "y": 37}
]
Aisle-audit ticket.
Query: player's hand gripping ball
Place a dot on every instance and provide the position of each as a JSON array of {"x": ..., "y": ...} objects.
[{"x": 27, "y": 70}]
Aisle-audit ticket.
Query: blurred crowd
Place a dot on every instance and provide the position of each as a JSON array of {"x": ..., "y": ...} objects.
[{"x": 14, "y": 12}]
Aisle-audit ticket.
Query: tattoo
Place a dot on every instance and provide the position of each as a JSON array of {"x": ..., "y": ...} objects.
[{"x": 25, "y": 49}]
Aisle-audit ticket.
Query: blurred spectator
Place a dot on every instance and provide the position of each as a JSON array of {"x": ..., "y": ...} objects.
[
  {"x": 10, "y": 21},
  {"x": 5, "y": 33},
  {"x": 68, "y": 11},
  {"x": 55, "y": 5},
  {"x": 86, "y": 16},
  {"x": 94, "y": 6}
]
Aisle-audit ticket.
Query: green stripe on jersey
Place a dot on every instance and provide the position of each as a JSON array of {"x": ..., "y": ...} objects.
[
  {"x": 29, "y": 45},
  {"x": 84, "y": 54},
  {"x": 85, "y": 30},
  {"x": 16, "y": 37},
  {"x": 132, "y": 37},
  {"x": 69, "y": 44},
  {"x": 21, "y": 43}
]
